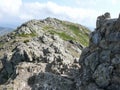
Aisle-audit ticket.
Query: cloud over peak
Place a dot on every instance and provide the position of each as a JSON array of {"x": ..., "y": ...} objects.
[{"x": 19, "y": 11}]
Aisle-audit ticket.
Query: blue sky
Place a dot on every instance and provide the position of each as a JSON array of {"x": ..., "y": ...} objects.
[{"x": 85, "y": 12}]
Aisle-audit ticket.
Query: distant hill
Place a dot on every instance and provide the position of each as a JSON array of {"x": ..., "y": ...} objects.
[{"x": 5, "y": 30}]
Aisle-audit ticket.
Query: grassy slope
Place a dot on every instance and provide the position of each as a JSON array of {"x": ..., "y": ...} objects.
[{"x": 71, "y": 31}]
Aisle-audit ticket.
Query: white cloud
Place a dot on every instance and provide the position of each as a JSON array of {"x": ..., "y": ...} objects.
[
  {"x": 35, "y": 10},
  {"x": 43, "y": 10},
  {"x": 114, "y": 1},
  {"x": 25, "y": 17},
  {"x": 86, "y": 2},
  {"x": 10, "y": 6}
]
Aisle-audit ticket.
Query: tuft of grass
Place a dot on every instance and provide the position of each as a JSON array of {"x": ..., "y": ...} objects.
[
  {"x": 47, "y": 27},
  {"x": 63, "y": 35},
  {"x": 74, "y": 28},
  {"x": 1, "y": 45},
  {"x": 28, "y": 35}
]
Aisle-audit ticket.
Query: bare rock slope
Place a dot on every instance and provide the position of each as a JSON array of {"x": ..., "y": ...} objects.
[{"x": 42, "y": 55}]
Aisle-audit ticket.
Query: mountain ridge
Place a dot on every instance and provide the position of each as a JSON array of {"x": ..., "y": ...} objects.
[
  {"x": 48, "y": 49},
  {"x": 54, "y": 26}
]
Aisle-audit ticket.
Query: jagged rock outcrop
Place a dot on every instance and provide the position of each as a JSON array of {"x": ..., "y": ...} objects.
[{"x": 100, "y": 61}]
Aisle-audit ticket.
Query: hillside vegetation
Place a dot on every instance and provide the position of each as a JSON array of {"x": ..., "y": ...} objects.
[{"x": 66, "y": 30}]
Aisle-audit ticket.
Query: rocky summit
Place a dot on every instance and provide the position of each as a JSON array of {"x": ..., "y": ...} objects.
[
  {"x": 42, "y": 55},
  {"x": 100, "y": 61},
  {"x": 51, "y": 54}
]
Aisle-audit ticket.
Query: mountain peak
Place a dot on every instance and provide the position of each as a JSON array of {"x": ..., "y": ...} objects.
[
  {"x": 66, "y": 30},
  {"x": 44, "y": 55},
  {"x": 47, "y": 49}
]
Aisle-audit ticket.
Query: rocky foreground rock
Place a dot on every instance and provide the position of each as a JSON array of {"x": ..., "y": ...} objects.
[
  {"x": 101, "y": 60},
  {"x": 41, "y": 55}
]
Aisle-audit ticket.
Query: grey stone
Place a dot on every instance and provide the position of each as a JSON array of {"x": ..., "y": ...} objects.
[
  {"x": 44, "y": 39},
  {"x": 114, "y": 87},
  {"x": 102, "y": 19},
  {"x": 7, "y": 64},
  {"x": 107, "y": 15},
  {"x": 92, "y": 86},
  {"x": 103, "y": 72},
  {"x": 49, "y": 81},
  {"x": 116, "y": 60},
  {"x": 114, "y": 37},
  {"x": 24, "y": 30},
  {"x": 115, "y": 48},
  {"x": 105, "y": 56},
  {"x": 1, "y": 65},
  {"x": 103, "y": 44},
  {"x": 92, "y": 61},
  {"x": 96, "y": 37},
  {"x": 21, "y": 53},
  {"x": 102, "y": 75}
]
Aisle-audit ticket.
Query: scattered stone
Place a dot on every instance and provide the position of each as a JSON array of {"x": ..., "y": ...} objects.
[{"x": 47, "y": 57}]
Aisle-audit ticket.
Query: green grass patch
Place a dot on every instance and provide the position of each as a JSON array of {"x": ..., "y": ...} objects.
[
  {"x": 74, "y": 28},
  {"x": 80, "y": 36},
  {"x": 84, "y": 39},
  {"x": 28, "y": 35},
  {"x": 47, "y": 27},
  {"x": 63, "y": 35},
  {"x": 73, "y": 32},
  {"x": 1, "y": 45}
]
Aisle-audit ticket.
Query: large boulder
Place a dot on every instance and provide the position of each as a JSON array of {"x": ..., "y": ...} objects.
[
  {"x": 49, "y": 81},
  {"x": 101, "y": 59}
]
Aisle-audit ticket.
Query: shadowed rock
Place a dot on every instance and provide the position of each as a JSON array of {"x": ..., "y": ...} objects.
[{"x": 100, "y": 61}]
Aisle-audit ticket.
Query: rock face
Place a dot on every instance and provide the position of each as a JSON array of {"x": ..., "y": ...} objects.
[
  {"x": 100, "y": 61},
  {"x": 41, "y": 55}
]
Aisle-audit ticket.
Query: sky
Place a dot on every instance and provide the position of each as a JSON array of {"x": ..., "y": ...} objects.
[{"x": 15, "y": 12}]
